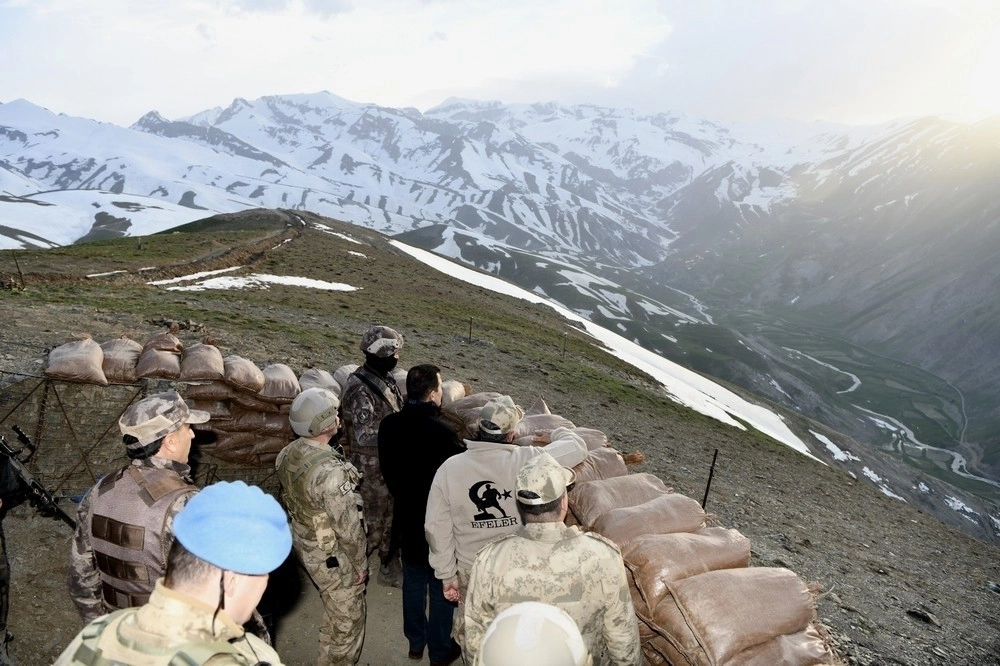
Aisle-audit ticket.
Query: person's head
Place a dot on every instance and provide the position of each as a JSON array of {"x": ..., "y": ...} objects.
[
  {"x": 498, "y": 419},
  {"x": 314, "y": 413},
  {"x": 531, "y": 632},
  {"x": 423, "y": 383},
  {"x": 381, "y": 346},
  {"x": 159, "y": 425},
  {"x": 227, "y": 540},
  {"x": 540, "y": 490}
]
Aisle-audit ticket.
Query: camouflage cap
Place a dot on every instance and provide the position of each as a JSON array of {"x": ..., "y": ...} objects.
[
  {"x": 158, "y": 415},
  {"x": 500, "y": 416},
  {"x": 381, "y": 341},
  {"x": 542, "y": 480}
]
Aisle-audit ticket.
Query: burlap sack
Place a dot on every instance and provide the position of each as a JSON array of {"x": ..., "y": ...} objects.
[
  {"x": 201, "y": 362},
  {"x": 603, "y": 463},
  {"x": 277, "y": 425},
  {"x": 120, "y": 357},
  {"x": 731, "y": 610},
  {"x": 665, "y": 514},
  {"x": 341, "y": 374},
  {"x": 158, "y": 364},
  {"x": 241, "y": 373},
  {"x": 399, "y": 376},
  {"x": 248, "y": 420},
  {"x": 538, "y": 407},
  {"x": 77, "y": 361},
  {"x": 534, "y": 422},
  {"x": 595, "y": 439},
  {"x": 805, "y": 648},
  {"x": 452, "y": 390},
  {"x": 317, "y": 378},
  {"x": 248, "y": 400},
  {"x": 167, "y": 342},
  {"x": 217, "y": 409},
  {"x": 650, "y": 657},
  {"x": 248, "y": 448},
  {"x": 657, "y": 559},
  {"x": 217, "y": 390},
  {"x": 266, "y": 449},
  {"x": 591, "y": 499},
  {"x": 280, "y": 384},
  {"x": 675, "y": 640}
]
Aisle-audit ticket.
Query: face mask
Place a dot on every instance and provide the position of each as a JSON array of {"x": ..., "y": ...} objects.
[{"x": 381, "y": 364}]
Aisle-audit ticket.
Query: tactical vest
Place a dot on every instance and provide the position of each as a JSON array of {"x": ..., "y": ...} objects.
[
  {"x": 388, "y": 392},
  {"x": 89, "y": 653},
  {"x": 129, "y": 520},
  {"x": 298, "y": 464}
]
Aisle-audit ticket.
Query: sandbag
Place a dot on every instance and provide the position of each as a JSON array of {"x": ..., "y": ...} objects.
[
  {"x": 595, "y": 439},
  {"x": 804, "y": 648},
  {"x": 249, "y": 448},
  {"x": 399, "y": 376},
  {"x": 120, "y": 357},
  {"x": 665, "y": 514},
  {"x": 167, "y": 342},
  {"x": 202, "y": 362},
  {"x": 452, "y": 390},
  {"x": 531, "y": 424},
  {"x": 158, "y": 364},
  {"x": 538, "y": 407},
  {"x": 77, "y": 361},
  {"x": 248, "y": 401},
  {"x": 657, "y": 559},
  {"x": 217, "y": 390},
  {"x": 463, "y": 414},
  {"x": 603, "y": 463},
  {"x": 318, "y": 378},
  {"x": 280, "y": 384},
  {"x": 591, "y": 499},
  {"x": 218, "y": 410},
  {"x": 731, "y": 610},
  {"x": 241, "y": 373},
  {"x": 675, "y": 640},
  {"x": 341, "y": 374}
]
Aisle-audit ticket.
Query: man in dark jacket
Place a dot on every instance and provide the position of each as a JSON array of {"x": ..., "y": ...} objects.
[{"x": 412, "y": 444}]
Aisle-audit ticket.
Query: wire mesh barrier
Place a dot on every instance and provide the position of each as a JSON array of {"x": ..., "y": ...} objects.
[{"x": 74, "y": 428}]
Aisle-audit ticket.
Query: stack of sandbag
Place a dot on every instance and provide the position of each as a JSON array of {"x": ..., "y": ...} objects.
[
  {"x": 697, "y": 600},
  {"x": 249, "y": 409},
  {"x": 462, "y": 415},
  {"x": 120, "y": 357},
  {"x": 160, "y": 358}
]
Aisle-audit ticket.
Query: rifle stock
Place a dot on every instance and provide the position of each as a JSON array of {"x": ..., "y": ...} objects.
[{"x": 38, "y": 495}]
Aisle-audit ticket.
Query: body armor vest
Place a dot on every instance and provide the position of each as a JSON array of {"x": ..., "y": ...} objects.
[
  {"x": 188, "y": 654},
  {"x": 129, "y": 520},
  {"x": 388, "y": 392},
  {"x": 299, "y": 463}
]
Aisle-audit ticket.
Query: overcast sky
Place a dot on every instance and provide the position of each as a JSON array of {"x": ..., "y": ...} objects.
[{"x": 853, "y": 61}]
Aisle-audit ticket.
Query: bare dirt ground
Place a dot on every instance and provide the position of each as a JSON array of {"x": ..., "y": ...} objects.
[{"x": 901, "y": 587}]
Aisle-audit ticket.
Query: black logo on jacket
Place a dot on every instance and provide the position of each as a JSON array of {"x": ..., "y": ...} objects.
[{"x": 487, "y": 498}]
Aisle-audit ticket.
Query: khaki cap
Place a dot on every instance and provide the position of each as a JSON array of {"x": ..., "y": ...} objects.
[
  {"x": 157, "y": 416},
  {"x": 542, "y": 480}
]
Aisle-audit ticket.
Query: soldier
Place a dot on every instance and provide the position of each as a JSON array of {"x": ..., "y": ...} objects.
[
  {"x": 123, "y": 531},
  {"x": 369, "y": 395},
  {"x": 470, "y": 501},
  {"x": 228, "y": 538},
  {"x": 412, "y": 444},
  {"x": 580, "y": 572},
  {"x": 320, "y": 490}
]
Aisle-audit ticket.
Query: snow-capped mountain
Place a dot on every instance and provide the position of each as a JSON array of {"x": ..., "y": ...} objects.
[{"x": 787, "y": 258}]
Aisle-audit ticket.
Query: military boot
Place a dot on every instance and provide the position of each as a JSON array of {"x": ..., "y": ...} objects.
[{"x": 390, "y": 573}]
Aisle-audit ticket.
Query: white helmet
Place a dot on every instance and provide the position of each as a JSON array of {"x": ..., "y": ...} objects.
[
  {"x": 531, "y": 632},
  {"x": 313, "y": 411}
]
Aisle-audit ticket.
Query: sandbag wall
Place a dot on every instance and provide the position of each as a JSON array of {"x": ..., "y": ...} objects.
[{"x": 697, "y": 599}]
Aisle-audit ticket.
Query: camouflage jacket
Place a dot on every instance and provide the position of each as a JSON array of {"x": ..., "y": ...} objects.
[
  {"x": 363, "y": 409},
  {"x": 169, "y": 623},
  {"x": 322, "y": 498},
  {"x": 124, "y": 531},
  {"x": 581, "y": 573}
]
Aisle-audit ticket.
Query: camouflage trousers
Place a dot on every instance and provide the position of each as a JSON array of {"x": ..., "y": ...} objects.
[
  {"x": 342, "y": 632},
  {"x": 458, "y": 619},
  {"x": 377, "y": 504}
]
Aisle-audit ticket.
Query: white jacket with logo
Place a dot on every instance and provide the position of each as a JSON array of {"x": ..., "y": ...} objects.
[{"x": 472, "y": 497}]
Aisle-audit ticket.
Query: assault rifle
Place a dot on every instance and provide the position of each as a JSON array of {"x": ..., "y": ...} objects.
[{"x": 39, "y": 497}]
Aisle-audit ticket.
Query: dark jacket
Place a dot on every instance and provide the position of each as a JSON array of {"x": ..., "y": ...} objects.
[{"x": 412, "y": 444}]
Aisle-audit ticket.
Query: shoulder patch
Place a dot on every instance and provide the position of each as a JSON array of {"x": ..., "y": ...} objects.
[{"x": 364, "y": 415}]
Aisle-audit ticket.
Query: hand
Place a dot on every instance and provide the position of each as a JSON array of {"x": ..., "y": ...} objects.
[
  {"x": 542, "y": 437},
  {"x": 451, "y": 592},
  {"x": 362, "y": 577}
]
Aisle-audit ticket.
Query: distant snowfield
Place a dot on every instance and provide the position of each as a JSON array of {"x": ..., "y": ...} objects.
[
  {"x": 683, "y": 386},
  {"x": 252, "y": 281}
]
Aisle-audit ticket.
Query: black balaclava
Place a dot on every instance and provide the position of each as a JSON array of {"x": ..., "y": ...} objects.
[{"x": 381, "y": 364}]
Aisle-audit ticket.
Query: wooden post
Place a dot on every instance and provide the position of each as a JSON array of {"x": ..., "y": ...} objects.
[
  {"x": 470, "y": 330},
  {"x": 20, "y": 277},
  {"x": 708, "y": 485}
]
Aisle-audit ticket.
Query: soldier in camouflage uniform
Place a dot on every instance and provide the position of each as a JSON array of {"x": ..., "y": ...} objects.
[
  {"x": 369, "y": 395},
  {"x": 123, "y": 531},
  {"x": 320, "y": 490},
  {"x": 580, "y": 572},
  {"x": 228, "y": 538}
]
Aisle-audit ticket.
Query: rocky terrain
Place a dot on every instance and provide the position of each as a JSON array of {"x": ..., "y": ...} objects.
[{"x": 900, "y": 587}]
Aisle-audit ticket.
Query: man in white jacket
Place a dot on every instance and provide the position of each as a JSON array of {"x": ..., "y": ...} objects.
[{"x": 471, "y": 500}]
